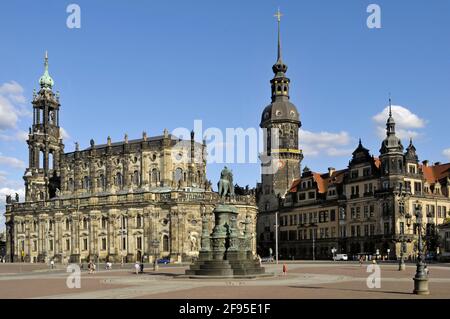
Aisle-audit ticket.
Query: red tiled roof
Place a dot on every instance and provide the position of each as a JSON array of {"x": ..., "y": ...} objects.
[{"x": 436, "y": 172}]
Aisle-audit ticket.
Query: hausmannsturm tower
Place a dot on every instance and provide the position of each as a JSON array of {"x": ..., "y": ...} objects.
[{"x": 280, "y": 166}]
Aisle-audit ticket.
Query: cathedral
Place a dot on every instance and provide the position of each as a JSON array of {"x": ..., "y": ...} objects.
[
  {"x": 366, "y": 209},
  {"x": 119, "y": 201}
]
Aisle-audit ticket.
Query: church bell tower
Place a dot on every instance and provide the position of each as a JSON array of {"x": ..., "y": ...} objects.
[{"x": 42, "y": 177}]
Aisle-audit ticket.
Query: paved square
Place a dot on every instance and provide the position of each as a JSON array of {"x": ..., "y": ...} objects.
[{"x": 305, "y": 280}]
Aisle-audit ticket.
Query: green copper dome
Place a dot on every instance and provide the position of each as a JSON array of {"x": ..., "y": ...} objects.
[{"x": 46, "y": 81}]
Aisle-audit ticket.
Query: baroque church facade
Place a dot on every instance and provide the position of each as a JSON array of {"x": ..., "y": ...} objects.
[
  {"x": 120, "y": 201},
  {"x": 367, "y": 208}
]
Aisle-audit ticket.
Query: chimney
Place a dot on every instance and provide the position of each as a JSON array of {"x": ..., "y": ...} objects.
[
  {"x": 425, "y": 163},
  {"x": 331, "y": 171}
]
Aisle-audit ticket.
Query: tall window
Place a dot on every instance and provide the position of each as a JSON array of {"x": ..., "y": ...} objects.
[
  {"x": 386, "y": 228},
  {"x": 136, "y": 178},
  {"x": 85, "y": 223},
  {"x": 165, "y": 243},
  {"x": 123, "y": 223},
  {"x": 104, "y": 222},
  {"x": 102, "y": 182},
  {"x": 86, "y": 182},
  {"x": 154, "y": 176},
  {"x": 119, "y": 180},
  {"x": 67, "y": 244},
  {"x": 178, "y": 175},
  {"x": 139, "y": 222},
  {"x": 139, "y": 243},
  {"x": 103, "y": 243},
  {"x": 70, "y": 185},
  {"x": 402, "y": 228}
]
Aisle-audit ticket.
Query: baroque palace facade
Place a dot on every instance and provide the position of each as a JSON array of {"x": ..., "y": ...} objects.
[
  {"x": 122, "y": 201},
  {"x": 367, "y": 208}
]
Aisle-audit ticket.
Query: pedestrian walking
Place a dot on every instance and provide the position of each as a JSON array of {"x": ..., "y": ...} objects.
[
  {"x": 285, "y": 270},
  {"x": 137, "y": 267},
  {"x": 141, "y": 267},
  {"x": 52, "y": 263}
]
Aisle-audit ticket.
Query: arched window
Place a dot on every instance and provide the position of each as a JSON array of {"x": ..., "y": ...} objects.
[
  {"x": 104, "y": 222},
  {"x": 139, "y": 221},
  {"x": 50, "y": 161},
  {"x": 123, "y": 222},
  {"x": 102, "y": 182},
  {"x": 154, "y": 176},
  {"x": 41, "y": 159},
  {"x": 85, "y": 223},
  {"x": 86, "y": 182},
  {"x": 119, "y": 182},
  {"x": 70, "y": 185},
  {"x": 165, "y": 243},
  {"x": 136, "y": 178},
  {"x": 178, "y": 175}
]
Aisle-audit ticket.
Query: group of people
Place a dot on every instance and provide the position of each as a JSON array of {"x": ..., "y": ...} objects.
[
  {"x": 139, "y": 267},
  {"x": 92, "y": 267}
]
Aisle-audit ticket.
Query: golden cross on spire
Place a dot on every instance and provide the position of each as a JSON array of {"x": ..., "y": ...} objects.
[{"x": 278, "y": 15}]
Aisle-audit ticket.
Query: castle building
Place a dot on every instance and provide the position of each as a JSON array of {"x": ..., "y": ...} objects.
[
  {"x": 367, "y": 208},
  {"x": 118, "y": 201}
]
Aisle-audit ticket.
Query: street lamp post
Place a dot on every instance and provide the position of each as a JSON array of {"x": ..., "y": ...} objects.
[
  {"x": 314, "y": 227},
  {"x": 403, "y": 240},
  {"x": 401, "y": 263},
  {"x": 276, "y": 237},
  {"x": 421, "y": 278},
  {"x": 155, "y": 244}
]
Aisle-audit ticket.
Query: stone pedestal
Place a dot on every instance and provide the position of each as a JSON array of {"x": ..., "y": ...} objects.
[
  {"x": 421, "y": 286},
  {"x": 225, "y": 253}
]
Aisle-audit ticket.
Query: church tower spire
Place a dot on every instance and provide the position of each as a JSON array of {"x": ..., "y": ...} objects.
[
  {"x": 279, "y": 83},
  {"x": 44, "y": 141},
  {"x": 281, "y": 123}
]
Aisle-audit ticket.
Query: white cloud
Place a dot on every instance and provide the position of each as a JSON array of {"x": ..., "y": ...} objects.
[
  {"x": 64, "y": 134},
  {"x": 407, "y": 123},
  {"x": 446, "y": 153},
  {"x": 11, "y": 162},
  {"x": 324, "y": 143},
  {"x": 19, "y": 135},
  {"x": 12, "y": 105}
]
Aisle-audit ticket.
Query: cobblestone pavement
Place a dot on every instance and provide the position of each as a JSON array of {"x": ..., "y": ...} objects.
[{"x": 304, "y": 280}]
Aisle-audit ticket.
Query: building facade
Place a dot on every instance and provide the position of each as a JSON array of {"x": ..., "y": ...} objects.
[
  {"x": 363, "y": 209},
  {"x": 118, "y": 201},
  {"x": 367, "y": 208}
]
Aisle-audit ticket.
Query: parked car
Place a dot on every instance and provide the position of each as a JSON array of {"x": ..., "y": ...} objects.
[
  {"x": 341, "y": 257},
  {"x": 267, "y": 259},
  {"x": 164, "y": 261}
]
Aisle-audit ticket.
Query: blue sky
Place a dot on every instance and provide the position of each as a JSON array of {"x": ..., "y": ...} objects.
[{"x": 150, "y": 65}]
